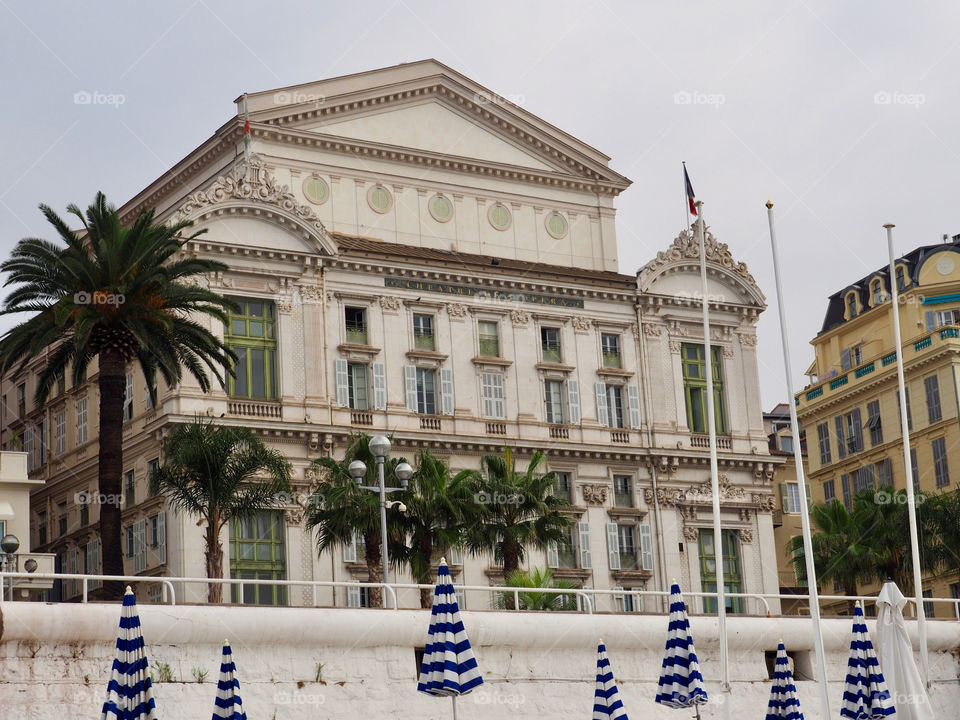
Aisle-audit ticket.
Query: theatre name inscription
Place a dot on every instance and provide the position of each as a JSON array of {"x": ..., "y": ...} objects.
[{"x": 498, "y": 296}]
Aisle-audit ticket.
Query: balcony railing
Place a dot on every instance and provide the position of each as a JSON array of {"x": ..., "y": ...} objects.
[
  {"x": 611, "y": 359},
  {"x": 489, "y": 346},
  {"x": 424, "y": 341},
  {"x": 703, "y": 441},
  {"x": 559, "y": 432},
  {"x": 356, "y": 335},
  {"x": 551, "y": 354},
  {"x": 495, "y": 428},
  {"x": 361, "y": 417},
  {"x": 255, "y": 408},
  {"x": 620, "y": 436},
  {"x": 428, "y": 422}
]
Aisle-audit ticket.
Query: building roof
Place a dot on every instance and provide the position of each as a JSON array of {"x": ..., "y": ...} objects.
[{"x": 912, "y": 261}]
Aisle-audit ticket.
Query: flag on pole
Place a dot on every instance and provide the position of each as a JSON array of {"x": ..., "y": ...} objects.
[
  {"x": 691, "y": 198},
  {"x": 246, "y": 127}
]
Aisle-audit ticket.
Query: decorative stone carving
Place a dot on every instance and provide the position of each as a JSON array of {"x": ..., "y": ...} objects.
[
  {"x": 745, "y": 514},
  {"x": 250, "y": 181},
  {"x": 456, "y": 310},
  {"x": 748, "y": 340},
  {"x": 595, "y": 494},
  {"x": 676, "y": 346},
  {"x": 390, "y": 302},
  {"x": 635, "y": 329},
  {"x": 703, "y": 493},
  {"x": 520, "y": 318},
  {"x": 581, "y": 324},
  {"x": 690, "y": 533},
  {"x": 686, "y": 246},
  {"x": 764, "y": 502},
  {"x": 665, "y": 498},
  {"x": 311, "y": 294},
  {"x": 746, "y": 535},
  {"x": 294, "y": 516},
  {"x": 652, "y": 329},
  {"x": 728, "y": 351},
  {"x": 284, "y": 304}
]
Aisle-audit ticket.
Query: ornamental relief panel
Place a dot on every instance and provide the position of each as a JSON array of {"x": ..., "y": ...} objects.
[
  {"x": 456, "y": 310},
  {"x": 595, "y": 494}
]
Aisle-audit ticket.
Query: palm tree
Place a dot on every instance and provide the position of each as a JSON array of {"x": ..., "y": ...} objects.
[
  {"x": 942, "y": 529},
  {"x": 116, "y": 293},
  {"x": 841, "y": 552},
  {"x": 439, "y": 505},
  {"x": 533, "y": 600},
  {"x": 520, "y": 509},
  {"x": 883, "y": 520},
  {"x": 341, "y": 511},
  {"x": 219, "y": 473}
]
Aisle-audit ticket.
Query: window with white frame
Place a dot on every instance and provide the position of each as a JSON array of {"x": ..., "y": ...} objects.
[
  {"x": 81, "y": 421},
  {"x": 423, "y": 334},
  {"x": 491, "y": 390},
  {"x": 128, "y": 398},
  {"x": 553, "y": 393},
  {"x": 488, "y": 336},
  {"x": 550, "y": 344},
  {"x": 60, "y": 432}
]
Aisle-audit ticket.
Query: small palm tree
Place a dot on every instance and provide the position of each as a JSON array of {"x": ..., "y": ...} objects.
[
  {"x": 519, "y": 509},
  {"x": 884, "y": 522},
  {"x": 341, "y": 511},
  {"x": 439, "y": 506},
  {"x": 942, "y": 515},
  {"x": 537, "y": 579},
  {"x": 116, "y": 293},
  {"x": 219, "y": 473}
]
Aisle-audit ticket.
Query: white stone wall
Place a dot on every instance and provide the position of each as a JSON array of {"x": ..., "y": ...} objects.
[{"x": 535, "y": 666}]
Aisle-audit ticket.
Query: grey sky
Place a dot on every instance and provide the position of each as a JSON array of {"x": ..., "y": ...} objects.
[{"x": 844, "y": 114}]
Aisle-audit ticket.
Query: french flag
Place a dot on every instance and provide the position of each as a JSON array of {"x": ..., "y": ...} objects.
[{"x": 691, "y": 199}]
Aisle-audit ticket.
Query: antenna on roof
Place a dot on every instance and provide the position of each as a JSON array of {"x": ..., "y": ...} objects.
[{"x": 945, "y": 237}]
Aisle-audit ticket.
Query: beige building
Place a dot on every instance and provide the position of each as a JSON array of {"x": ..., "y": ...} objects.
[
  {"x": 851, "y": 408},
  {"x": 416, "y": 255}
]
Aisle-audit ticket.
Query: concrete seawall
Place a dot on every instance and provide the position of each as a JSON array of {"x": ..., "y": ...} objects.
[{"x": 306, "y": 663}]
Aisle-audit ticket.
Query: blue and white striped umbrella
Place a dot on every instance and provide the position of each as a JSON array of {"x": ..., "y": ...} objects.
[
  {"x": 129, "y": 694},
  {"x": 783, "y": 704},
  {"x": 866, "y": 695},
  {"x": 606, "y": 698},
  {"x": 681, "y": 684},
  {"x": 228, "y": 704},
  {"x": 448, "y": 667}
]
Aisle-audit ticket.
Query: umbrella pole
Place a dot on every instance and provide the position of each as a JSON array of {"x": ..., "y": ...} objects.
[{"x": 454, "y": 698}]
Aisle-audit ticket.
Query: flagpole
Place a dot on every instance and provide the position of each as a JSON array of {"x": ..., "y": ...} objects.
[
  {"x": 908, "y": 466},
  {"x": 686, "y": 198},
  {"x": 814, "y": 592},
  {"x": 714, "y": 471},
  {"x": 246, "y": 134}
]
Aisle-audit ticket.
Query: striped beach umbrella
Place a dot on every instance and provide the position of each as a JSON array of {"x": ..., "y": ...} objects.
[
  {"x": 228, "y": 703},
  {"x": 783, "y": 704},
  {"x": 606, "y": 698},
  {"x": 866, "y": 695},
  {"x": 681, "y": 684},
  {"x": 129, "y": 694},
  {"x": 448, "y": 667}
]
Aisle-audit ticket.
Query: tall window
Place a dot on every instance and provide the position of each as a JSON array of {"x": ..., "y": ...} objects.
[
  {"x": 885, "y": 473},
  {"x": 610, "y": 350},
  {"x": 553, "y": 390},
  {"x": 491, "y": 386},
  {"x": 21, "y": 400},
  {"x": 877, "y": 292},
  {"x": 550, "y": 344},
  {"x": 355, "y": 320},
  {"x": 874, "y": 424},
  {"x": 790, "y": 497},
  {"x": 901, "y": 277},
  {"x": 42, "y": 527},
  {"x": 128, "y": 397},
  {"x": 251, "y": 334},
  {"x": 622, "y": 491},
  {"x": 423, "y": 337},
  {"x": 932, "y": 387},
  {"x": 614, "y": 405},
  {"x": 563, "y": 486},
  {"x": 915, "y": 469},
  {"x": 426, "y": 392},
  {"x": 854, "y": 431},
  {"x": 566, "y": 549},
  {"x": 732, "y": 577},
  {"x": 358, "y": 386},
  {"x": 851, "y": 305},
  {"x": 829, "y": 491},
  {"x": 60, "y": 432},
  {"x": 258, "y": 552},
  {"x": 695, "y": 388},
  {"x": 627, "y": 541},
  {"x": 129, "y": 488},
  {"x": 62, "y": 518},
  {"x": 489, "y": 338},
  {"x": 823, "y": 438},
  {"x": 81, "y": 421},
  {"x": 940, "y": 468}
]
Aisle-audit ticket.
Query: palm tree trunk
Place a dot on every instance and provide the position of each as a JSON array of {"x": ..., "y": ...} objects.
[
  {"x": 851, "y": 604},
  {"x": 213, "y": 552},
  {"x": 426, "y": 549},
  {"x": 374, "y": 567},
  {"x": 511, "y": 563},
  {"x": 111, "y": 383}
]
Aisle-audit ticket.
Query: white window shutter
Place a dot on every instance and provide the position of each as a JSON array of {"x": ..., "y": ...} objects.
[
  {"x": 139, "y": 546},
  {"x": 633, "y": 400},
  {"x": 573, "y": 401},
  {"x": 583, "y": 529},
  {"x": 553, "y": 555},
  {"x": 613, "y": 546},
  {"x": 162, "y": 537},
  {"x": 620, "y": 597},
  {"x": 93, "y": 562},
  {"x": 456, "y": 555},
  {"x": 379, "y": 387},
  {"x": 646, "y": 547},
  {"x": 446, "y": 391},
  {"x": 461, "y": 597},
  {"x": 353, "y": 595},
  {"x": 601, "y": 392},
  {"x": 343, "y": 386},
  {"x": 410, "y": 383},
  {"x": 491, "y": 386},
  {"x": 350, "y": 550}
]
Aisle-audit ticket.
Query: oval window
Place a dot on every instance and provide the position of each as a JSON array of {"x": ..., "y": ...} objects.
[
  {"x": 556, "y": 225},
  {"x": 315, "y": 190},
  {"x": 379, "y": 198},
  {"x": 440, "y": 208},
  {"x": 499, "y": 216}
]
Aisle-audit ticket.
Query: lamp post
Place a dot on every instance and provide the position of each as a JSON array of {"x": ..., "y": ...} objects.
[
  {"x": 380, "y": 447},
  {"x": 9, "y": 545}
]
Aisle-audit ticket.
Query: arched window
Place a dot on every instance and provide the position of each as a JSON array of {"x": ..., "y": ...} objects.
[
  {"x": 876, "y": 291},
  {"x": 851, "y": 305},
  {"x": 901, "y": 277}
]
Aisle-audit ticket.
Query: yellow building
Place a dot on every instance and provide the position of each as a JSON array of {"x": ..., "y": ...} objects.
[{"x": 851, "y": 409}]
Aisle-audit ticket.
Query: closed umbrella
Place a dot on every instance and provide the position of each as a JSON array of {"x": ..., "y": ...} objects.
[
  {"x": 865, "y": 696},
  {"x": 896, "y": 657},
  {"x": 448, "y": 667},
  {"x": 681, "y": 684},
  {"x": 606, "y": 698},
  {"x": 783, "y": 704},
  {"x": 228, "y": 704},
  {"x": 129, "y": 694}
]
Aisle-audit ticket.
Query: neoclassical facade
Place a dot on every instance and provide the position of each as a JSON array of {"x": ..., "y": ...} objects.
[{"x": 414, "y": 255}]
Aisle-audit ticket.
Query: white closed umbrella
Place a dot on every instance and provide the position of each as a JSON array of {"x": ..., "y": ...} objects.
[{"x": 896, "y": 657}]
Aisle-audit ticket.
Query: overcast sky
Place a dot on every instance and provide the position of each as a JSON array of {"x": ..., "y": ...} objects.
[{"x": 845, "y": 114}]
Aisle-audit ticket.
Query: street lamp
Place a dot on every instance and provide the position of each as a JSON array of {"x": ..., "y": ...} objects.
[
  {"x": 380, "y": 447},
  {"x": 9, "y": 545}
]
